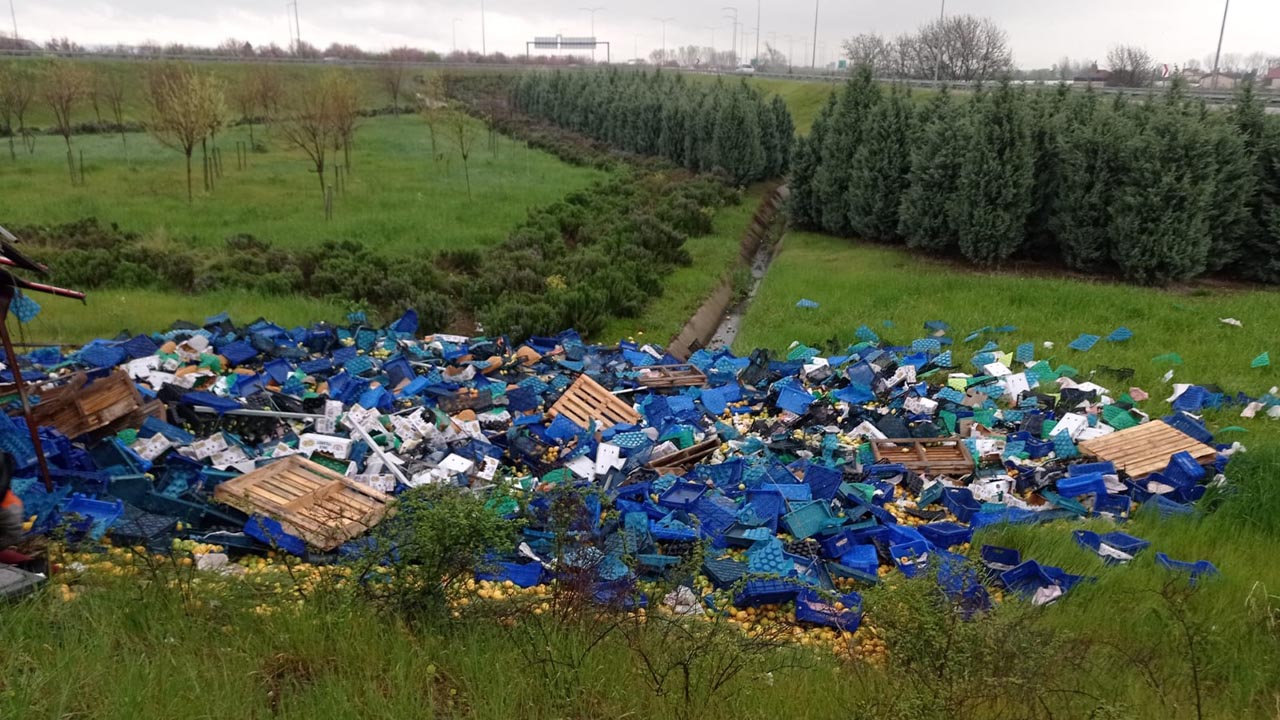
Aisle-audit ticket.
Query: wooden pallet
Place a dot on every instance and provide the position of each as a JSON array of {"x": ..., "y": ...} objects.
[
  {"x": 679, "y": 461},
  {"x": 1142, "y": 450},
  {"x": 309, "y": 500},
  {"x": 588, "y": 400},
  {"x": 935, "y": 456},
  {"x": 659, "y": 377},
  {"x": 79, "y": 407}
]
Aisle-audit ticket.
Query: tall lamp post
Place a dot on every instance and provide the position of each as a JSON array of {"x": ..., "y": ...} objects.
[
  {"x": 814, "y": 62},
  {"x": 664, "y": 22},
  {"x": 592, "y": 11},
  {"x": 13, "y": 14},
  {"x": 484, "y": 48},
  {"x": 757, "y": 30},
  {"x": 937, "y": 66},
  {"x": 735, "y": 31},
  {"x": 1221, "y": 33}
]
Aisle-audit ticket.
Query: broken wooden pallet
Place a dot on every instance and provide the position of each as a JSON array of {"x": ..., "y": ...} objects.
[
  {"x": 659, "y": 377},
  {"x": 78, "y": 407},
  {"x": 1142, "y": 450},
  {"x": 588, "y": 400},
  {"x": 935, "y": 456},
  {"x": 310, "y": 501},
  {"x": 681, "y": 460}
]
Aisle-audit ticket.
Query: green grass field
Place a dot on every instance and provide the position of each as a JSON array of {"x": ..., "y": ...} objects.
[
  {"x": 860, "y": 283},
  {"x": 398, "y": 199}
]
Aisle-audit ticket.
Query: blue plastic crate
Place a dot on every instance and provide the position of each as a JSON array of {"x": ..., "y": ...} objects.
[
  {"x": 1031, "y": 576},
  {"x": 1104, "y": 468},
  {"x": 911, "y": 558},
  {"x": 1197, "y": 569},
  {"x": 270, "y": 532},
  {"x": 1183, "y": 469},
  {"x": 682, "y": 495},
  {"x": 1115, "y": 506},
  {"x": 723, "y": 572},
  {"x": 836, "y": 544},
  {"x": 946, "y": 534},
  {"x": 810, "y": 519},
  {"x": 96, "y": 516},
  {"x": 863, "y": 558},
  {"x": 997, "y": 560},
  {"x": 766, "y": 591},
  {"x": 813, "y": 609},
  {"x": 961, "y": 503},
  {"x": 524, "y": 575},
  {"x": 1082, "y": 484},
  {"x": 1127, "y": 544}
]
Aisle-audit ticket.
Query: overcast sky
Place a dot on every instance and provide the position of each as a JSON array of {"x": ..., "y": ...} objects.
[{"x": 1040, "y": 32}]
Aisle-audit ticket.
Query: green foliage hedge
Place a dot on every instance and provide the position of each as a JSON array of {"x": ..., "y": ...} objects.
[
  {"x": 1156, "y": 191},
  {"x": 718, "y": 127}
]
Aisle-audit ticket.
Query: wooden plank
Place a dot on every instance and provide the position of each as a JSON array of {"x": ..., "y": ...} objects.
[
  {"x": 1147, "y": 448},
  {"x": 669, "y": 376},
  {"x": 586, "y": 400},
  {"x": 930, "y": 455},
  {"x": 318, "y": 505}
]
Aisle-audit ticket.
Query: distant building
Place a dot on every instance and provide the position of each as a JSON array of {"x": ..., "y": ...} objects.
[
  {"x": 1272, "y": 78},
  {"x": 1092, "y": 76},
  {"x": 1218, "y": 82}
]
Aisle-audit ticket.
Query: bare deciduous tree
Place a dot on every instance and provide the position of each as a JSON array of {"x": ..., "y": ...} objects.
[
  {"x": 244, "y": 97},
  {"x": 391, "y": 76},
  {"x": 463, "y": 130},
  {"x": 64, "y": 85},
  {"x": 18, "y": 93},
  {"x": 269, "y": 87},
  {"x": 1130, "y": 66},
  {"x": 870, "y": 50},
  {"x": 960, "y": 47},
  {"x": 113, "y": 84},
  {"x": 433, "y": 104},
  {"x": 320, "y": 117},
  {"x": 184, "y": 105}
]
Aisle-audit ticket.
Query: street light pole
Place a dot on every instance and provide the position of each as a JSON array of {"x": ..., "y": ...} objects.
[
  {"x": 484, "y": 47},
  {"x": 664, "y": 22},
  {"x": 937, "y": 67},
  {"x": 14, "y": 15},
  {"x": 592, "y": 11},
  {"x": 814, "y": 62},
  {"x": 293, "y": 46},
  {"x": 1221, "y": 33},
  {"x": 735, "y": 31},
  {"x": 757, "y": 30},
  {"x": 297, "y": 26}
]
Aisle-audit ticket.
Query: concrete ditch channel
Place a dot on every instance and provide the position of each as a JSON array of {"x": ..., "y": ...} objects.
[{"x": 715, "y": 323}]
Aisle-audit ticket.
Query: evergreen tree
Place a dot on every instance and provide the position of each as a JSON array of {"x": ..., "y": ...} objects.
[
  {"x": 844, "y": 135},
  {"x": 738, "y": 150},
  {"x": 993, "y": 198},
  {"x": 785, "y": 129},
  {"x": 1260, "y": 247},
  {"x": 881, "y": 164},
  {"x": 1092, "y": 154},
  {"x": 1231, "y": 220},
  {"x": 925, "y": 218},
  {"x": 1159, "y": 221},
  {"x": 769, "y": 140},
  {"x": 1048, "y": 120},
  {"x": 802, "y": 206}
]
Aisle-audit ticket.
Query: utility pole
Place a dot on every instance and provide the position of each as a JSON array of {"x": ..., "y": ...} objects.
[
  {"x": 297, "y": 27},
  {"x": 757, "y": 30},
  {"x": 1221, "y": 33},
  {"x": 292, "y": 44},
  {"x": 814, "y": 62},
  {"x": 455, "y": 33},
  {"x": 14, "y": 15},
  {"x": 664, "y": 22},
  {"x": 484, "y": 49},
  {"x": 593, "y": 11},
  {"x": 735, "y": 32},
  {"x": 937, "y": 66}
]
